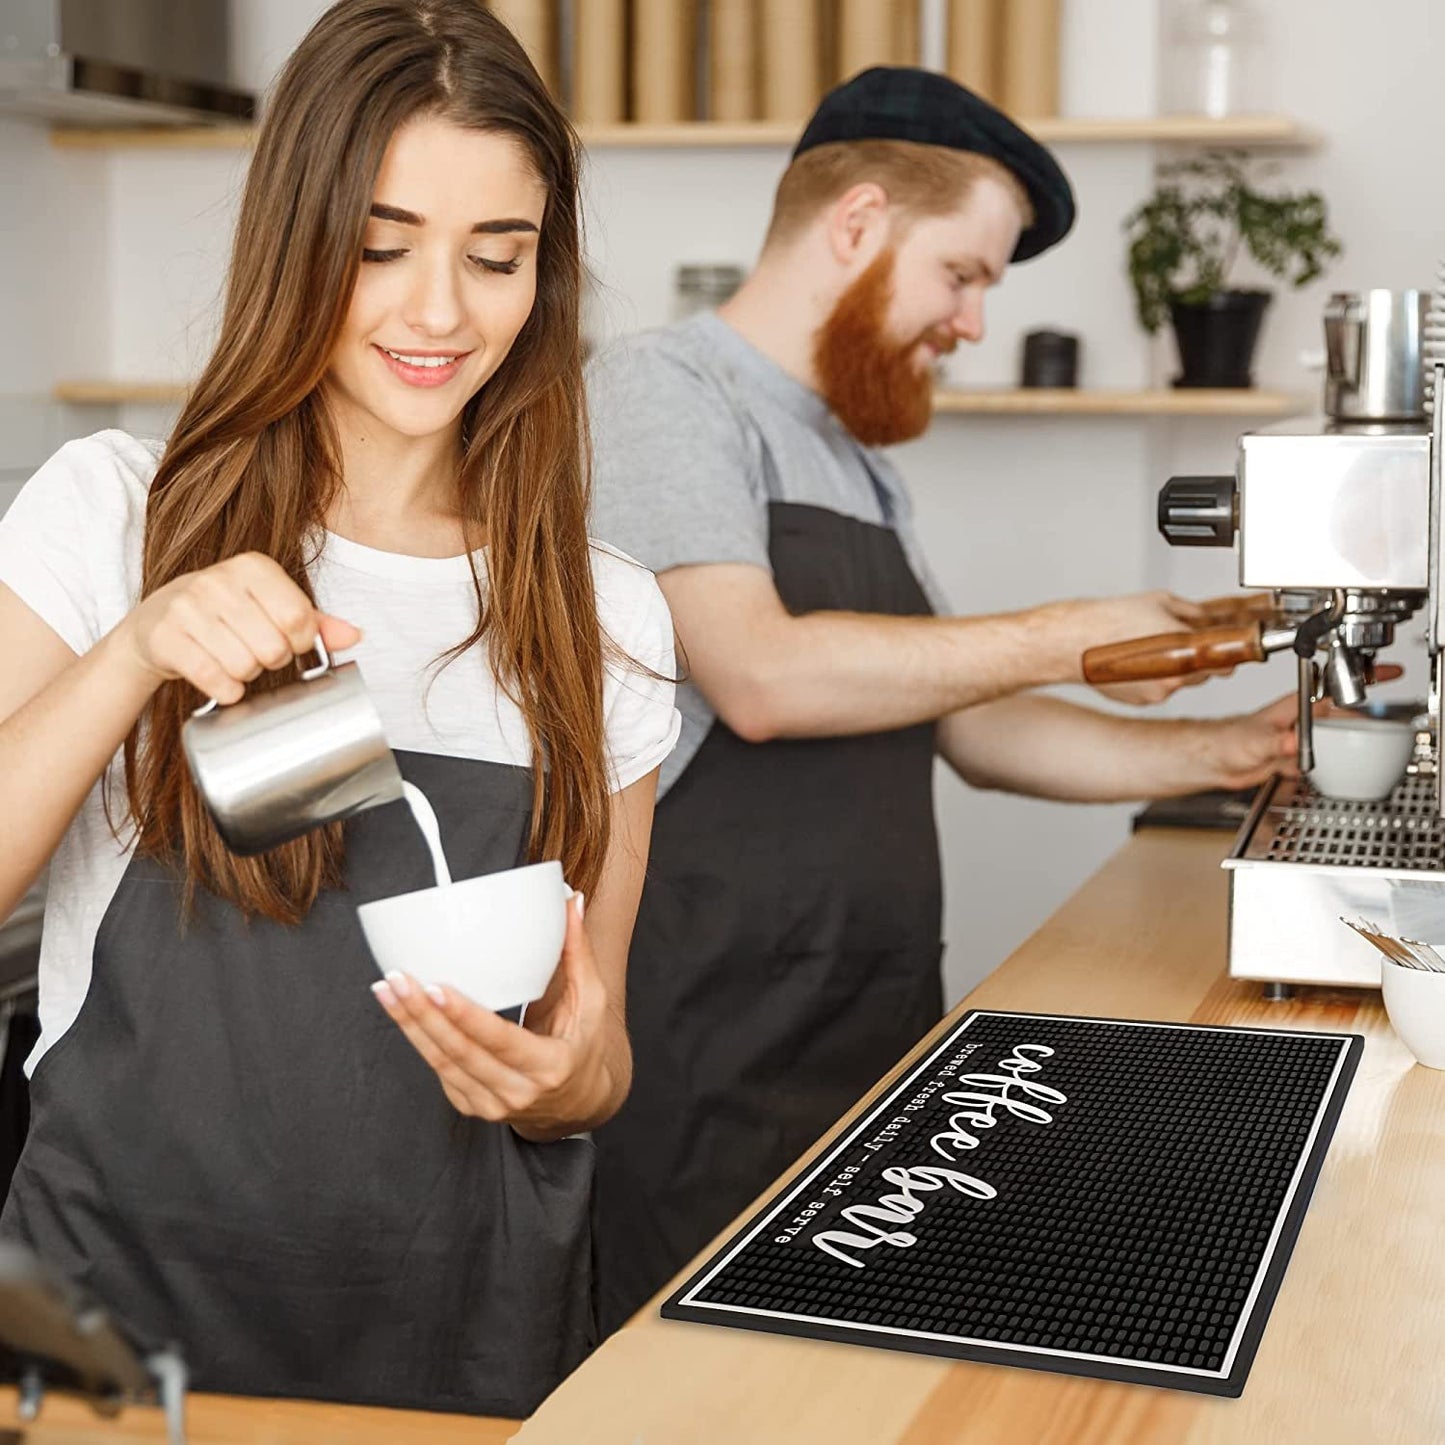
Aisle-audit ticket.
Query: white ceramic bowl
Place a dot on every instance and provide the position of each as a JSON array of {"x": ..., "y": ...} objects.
[
  {"x": 496, "y": 939},
  {"x": 1415, "y": 1001},
  {"x": 1360, "y": 758}
]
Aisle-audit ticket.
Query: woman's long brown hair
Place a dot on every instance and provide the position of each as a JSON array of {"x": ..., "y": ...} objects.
[{"x": 253, "y": 463}]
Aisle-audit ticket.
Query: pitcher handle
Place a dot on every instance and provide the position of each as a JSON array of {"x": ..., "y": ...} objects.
[
  {"x": 322, "y": 667},
  {"x": 1342, "y": 347},
  {"x": 307, "y": 675}
]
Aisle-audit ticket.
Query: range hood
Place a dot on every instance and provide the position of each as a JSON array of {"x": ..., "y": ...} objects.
[{"x": 119, "y": 62}]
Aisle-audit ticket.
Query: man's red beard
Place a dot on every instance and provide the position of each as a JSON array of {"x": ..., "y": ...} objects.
[{"x": 872, "y": 383}]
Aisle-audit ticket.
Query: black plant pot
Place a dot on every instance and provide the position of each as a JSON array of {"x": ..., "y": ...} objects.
[{"x": 1217, "y": 338}]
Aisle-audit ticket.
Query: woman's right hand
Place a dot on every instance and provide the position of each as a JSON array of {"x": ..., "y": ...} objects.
[{"x": 222, "y": 626}]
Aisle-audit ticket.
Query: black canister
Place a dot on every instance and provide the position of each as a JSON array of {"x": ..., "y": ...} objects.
[{"x": 1051, "y": 358}]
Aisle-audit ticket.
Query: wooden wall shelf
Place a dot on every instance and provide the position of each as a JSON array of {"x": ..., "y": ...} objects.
[
  {"x": 1183, "y": 401},
  {"x": 1267, "y": 131},
  {"x": 1032, "y": 402},
  {"x": 120, "y": 393},
  {"x": 1262, "y": 131}
]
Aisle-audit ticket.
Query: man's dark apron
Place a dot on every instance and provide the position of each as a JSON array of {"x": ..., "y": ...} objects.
[
  {"x": 237, "y": 1150},
  {"x": 787, "y": 947}
]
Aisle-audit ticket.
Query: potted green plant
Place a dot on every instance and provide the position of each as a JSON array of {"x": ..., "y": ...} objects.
[{"x": 1184, "y": 242}]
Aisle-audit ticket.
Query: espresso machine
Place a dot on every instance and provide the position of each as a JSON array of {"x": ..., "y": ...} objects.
[{"x": 1338, "y": 520}]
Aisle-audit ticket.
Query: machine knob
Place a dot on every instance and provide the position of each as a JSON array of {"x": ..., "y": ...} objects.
[{"x": 1198, "y": 511}]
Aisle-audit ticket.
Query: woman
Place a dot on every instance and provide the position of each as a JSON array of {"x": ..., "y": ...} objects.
[{"x": 231, "y": 1143}]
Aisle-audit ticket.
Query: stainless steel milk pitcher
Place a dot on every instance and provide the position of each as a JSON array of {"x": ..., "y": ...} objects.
[
  {"x": 276, "y": 765},
  {"x": 1374, "y": 369}
]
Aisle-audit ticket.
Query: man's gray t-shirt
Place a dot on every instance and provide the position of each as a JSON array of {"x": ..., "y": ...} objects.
[{"x": 694, "y": 433}]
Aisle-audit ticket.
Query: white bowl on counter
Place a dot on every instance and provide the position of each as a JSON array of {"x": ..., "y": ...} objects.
[{"x": 1415, "y": 1002}]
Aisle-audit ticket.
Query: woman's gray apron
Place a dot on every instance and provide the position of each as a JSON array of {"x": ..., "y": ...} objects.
[
  {"x": 237, "y": 1150},
  {"x": 787, "y": 946}
]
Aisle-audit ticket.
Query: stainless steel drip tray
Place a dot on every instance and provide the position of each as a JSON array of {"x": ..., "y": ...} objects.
[
  {"x": 1294, "y": 824},
  {"x": 1302, "y": 860}
]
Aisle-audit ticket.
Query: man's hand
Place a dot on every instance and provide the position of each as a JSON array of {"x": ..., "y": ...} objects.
[
  {"x": 1246, "y": 750},
  {"x": 1249, "y": 748},
  {"x": 1144, "y": 614},
  {"x": 1139, "y": 614}
]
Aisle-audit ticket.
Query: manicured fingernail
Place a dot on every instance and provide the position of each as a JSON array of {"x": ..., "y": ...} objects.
[
  {"x": 581, "y": 901},
  {"x": 399, "y": 984},
  {"x": 434, "y": 993},
  {"x": 384, "y": 995}
]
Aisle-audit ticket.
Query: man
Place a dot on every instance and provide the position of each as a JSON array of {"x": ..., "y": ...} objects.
[{"x": 787, "y": 950}]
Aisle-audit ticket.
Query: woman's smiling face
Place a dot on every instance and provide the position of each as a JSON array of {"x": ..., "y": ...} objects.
[{"x": 448, "y": 278}]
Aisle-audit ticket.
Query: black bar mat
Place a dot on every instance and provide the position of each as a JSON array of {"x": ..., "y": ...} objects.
[
  {"x": 1099, "y": 1197},
  {"x": 1216, "y": 808}
]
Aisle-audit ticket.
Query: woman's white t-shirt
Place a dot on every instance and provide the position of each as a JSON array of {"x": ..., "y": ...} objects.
[{"x": 70, "y": 548}]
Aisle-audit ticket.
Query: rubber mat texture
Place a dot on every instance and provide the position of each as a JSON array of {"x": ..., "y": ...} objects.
[{"x": 1094, "y": 1196}]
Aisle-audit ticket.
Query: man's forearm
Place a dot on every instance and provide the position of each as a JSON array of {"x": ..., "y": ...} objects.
[
  {"x": 839, "y": 673},
  {"x": 1048, "y": 748},
  {"x": 771, "y": 673}
]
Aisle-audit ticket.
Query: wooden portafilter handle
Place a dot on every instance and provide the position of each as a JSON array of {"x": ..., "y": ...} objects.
[{"x": 1174, "y": 654}]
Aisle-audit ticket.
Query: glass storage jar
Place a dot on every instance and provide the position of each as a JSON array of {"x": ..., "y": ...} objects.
[{"x": 1212, "y": 59}]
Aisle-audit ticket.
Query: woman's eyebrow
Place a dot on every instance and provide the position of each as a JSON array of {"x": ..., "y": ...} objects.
[
  {"x": 502, "y": 228},
  {"x": 395, "y": 213},
  {"x": 382, "y": 212}
]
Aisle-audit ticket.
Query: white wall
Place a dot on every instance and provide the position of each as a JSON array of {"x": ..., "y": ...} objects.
[
  {"x": 123, "y": 281},
  {"x": 54, "y": 259}
]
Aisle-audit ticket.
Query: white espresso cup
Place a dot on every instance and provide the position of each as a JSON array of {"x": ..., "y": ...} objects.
[
  {"x": 1360, "y": 758},
  {"x": 497, "y": 939},
  {"x": 1415, "y": 1002}
]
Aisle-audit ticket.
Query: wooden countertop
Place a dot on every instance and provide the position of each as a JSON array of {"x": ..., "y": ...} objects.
[
  {"x": 1355, "y": 1344},
  {"x": 232, "y": 1420},
  {"x": 1354, "y": 1348}
]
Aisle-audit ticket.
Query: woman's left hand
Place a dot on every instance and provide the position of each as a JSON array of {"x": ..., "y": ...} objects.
[{"x": 557, "y": 1077}]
